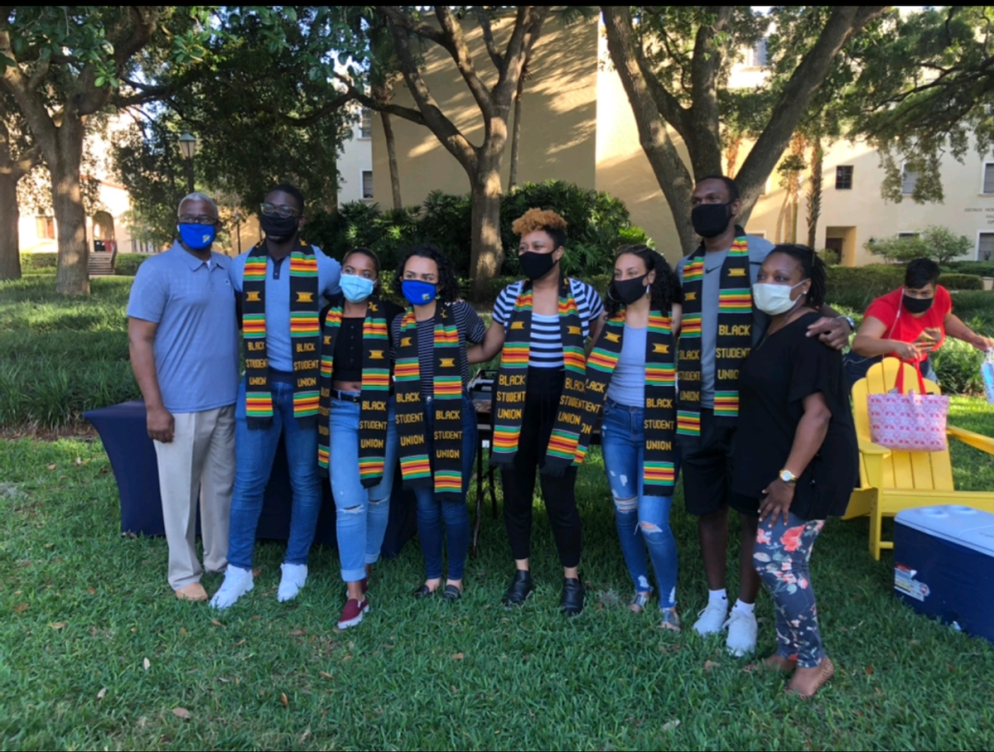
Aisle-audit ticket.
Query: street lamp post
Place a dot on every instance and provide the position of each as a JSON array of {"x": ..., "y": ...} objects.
[{"x": 188, "y": 145}]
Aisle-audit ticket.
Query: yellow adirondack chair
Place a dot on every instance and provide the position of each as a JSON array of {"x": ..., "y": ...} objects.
[{"x": 894, "y": 480}]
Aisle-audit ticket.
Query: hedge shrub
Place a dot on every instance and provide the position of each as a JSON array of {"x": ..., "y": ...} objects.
[
  {"x": 597, "y": 225},
  {"x": 126, "y": 264},
  {"x": 980, "y": 268}
]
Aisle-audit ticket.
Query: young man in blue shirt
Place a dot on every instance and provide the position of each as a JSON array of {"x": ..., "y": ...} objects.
[{"x": 281, "y": 282}]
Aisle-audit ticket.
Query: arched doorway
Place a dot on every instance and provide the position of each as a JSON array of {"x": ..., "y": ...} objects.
[{"x": 103, "y": 232}]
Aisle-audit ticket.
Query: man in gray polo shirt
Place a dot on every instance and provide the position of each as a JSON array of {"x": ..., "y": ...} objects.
[
  {"x": 183, "y": 334},
  {"x": 706, "y": 455}
]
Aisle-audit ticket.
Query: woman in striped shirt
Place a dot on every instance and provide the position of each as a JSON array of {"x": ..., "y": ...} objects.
[
  {"x": 427, "y": 280},
  {"x": 539, "y": 323}
]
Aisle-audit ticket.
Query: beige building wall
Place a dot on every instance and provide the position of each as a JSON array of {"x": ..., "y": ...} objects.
[
  {"x": 559, "y": 117},
  {"x": 860, "y": 214}
]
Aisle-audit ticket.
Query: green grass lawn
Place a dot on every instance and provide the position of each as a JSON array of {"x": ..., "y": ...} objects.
[
  {"x": 96, "y": 653},
  {"x": 83, "y": 609}
]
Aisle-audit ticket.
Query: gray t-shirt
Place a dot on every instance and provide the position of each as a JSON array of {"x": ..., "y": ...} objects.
[{"x": 759, "y": 249}]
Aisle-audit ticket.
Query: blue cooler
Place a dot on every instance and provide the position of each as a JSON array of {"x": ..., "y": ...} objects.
[{"x": 944, "y": 565}]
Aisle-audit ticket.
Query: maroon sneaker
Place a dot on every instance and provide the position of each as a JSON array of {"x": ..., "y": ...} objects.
[{"x": 352, "y": 613}]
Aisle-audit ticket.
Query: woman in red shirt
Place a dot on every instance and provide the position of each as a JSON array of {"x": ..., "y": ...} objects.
[{"x": 912, "y": 322}]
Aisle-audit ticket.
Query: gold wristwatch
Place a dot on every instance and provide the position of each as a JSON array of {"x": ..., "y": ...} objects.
[{"x": 788, "y": 477}]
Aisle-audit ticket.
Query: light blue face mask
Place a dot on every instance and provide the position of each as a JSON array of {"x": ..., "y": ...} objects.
[
  {"x": 197, "y": 237},
  {"x": 355, "y": 288}
]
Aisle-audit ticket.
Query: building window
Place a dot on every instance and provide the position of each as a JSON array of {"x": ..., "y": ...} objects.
[
  {"x": 367, "y": 184},
  {"x": 909, "y": 179},
  {"x": 755, "y": 56},
  {"x": 45, "y": 228},
  {"x": 365, "y": 123},
  {"x": 908, "y": 235},
  {"x": 988, "y": 187},
  {"x": 985, "y": 246},
  {"x": 843, "y": 178}
]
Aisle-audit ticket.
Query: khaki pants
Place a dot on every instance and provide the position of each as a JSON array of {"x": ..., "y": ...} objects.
[{"x": 198, "y": 464}]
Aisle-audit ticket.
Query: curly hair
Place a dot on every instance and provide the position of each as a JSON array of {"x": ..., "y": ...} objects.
[
  {"x": 812, "y": 267},
  {"x": 448, "y": 283},
  {"x": 371, "y": 255},
  {"x": 665, "y": 291},
  {"x": 541, "y": 219}
]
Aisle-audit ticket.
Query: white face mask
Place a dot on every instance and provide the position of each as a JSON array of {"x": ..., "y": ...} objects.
[{"x": 773, "y": 299}]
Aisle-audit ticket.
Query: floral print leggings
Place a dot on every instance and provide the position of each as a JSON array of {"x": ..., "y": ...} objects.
[{"x": 782, "y": 555}]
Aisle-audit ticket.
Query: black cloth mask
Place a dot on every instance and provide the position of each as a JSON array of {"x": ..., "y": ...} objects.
[
  {"x": 627, "y": 291},
  {"x": 710, "y": 220},
  {"x": 917, "y": 305},
  {"x": 536, "y": 265},
  {"x": 278, "y": 228}
]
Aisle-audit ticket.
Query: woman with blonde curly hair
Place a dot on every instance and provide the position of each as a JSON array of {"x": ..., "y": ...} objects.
[{"x": 540, "y": 327}]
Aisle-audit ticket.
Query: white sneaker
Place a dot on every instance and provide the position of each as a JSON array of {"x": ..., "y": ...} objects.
[
  {"x": 742, "y": 629},
  {"x": 711, "y": 620},
  {"x": 236, "y": 583},
  {"x": 294, "y": 577}
]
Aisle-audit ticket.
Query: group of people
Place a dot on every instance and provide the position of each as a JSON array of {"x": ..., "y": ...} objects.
[{"x": 727, "y": 368}]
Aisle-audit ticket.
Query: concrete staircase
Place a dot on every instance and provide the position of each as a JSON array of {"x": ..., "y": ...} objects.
[{"x": 102, "y": 264}]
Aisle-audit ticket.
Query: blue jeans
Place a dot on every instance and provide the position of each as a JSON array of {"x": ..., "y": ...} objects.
[
  {"x": 432, "y": 511},
  {"x": 254, "y": 454},
  {"x": 639, "y": 517},
  {"x": 362, "y": 513}
]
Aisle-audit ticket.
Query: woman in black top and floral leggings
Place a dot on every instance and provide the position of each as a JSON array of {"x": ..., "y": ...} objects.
[{"x": 795, "y": 453}]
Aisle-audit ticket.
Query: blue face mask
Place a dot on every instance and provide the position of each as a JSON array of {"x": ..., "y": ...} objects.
[
  {"x": 355, "y": 288},
  {"x": 197, "y": 237},
  {"x": 418, "y": 292}
]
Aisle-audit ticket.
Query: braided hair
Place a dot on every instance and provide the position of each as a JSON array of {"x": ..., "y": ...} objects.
[
  {"x": 812, "y": 267},
  {"x": 665, "y": 290}
]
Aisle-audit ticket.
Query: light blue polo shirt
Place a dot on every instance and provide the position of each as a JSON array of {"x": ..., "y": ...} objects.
[
  {"x": 196, "y": 343},
  {"x": 278, "y": 347}
]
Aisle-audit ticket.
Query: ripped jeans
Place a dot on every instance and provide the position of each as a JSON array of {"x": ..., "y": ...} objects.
[
  {"x": 639, "y": 517},
  {"x": 782, "y": 556},
  {"x": 362, "y": 513}
]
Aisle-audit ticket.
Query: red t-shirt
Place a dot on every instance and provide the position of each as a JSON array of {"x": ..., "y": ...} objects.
[{"x": 906, "y": 327}]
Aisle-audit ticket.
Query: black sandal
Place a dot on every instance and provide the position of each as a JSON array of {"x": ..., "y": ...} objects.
[
  {"x": 451, "y": 593},
  {"x": 423, "y": 592}
]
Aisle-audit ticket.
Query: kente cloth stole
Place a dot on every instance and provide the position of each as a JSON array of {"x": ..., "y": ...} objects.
[
  {"x": 443, "y": 472},
  {"x": 375, "y": 392},
  {"x": 305, "y": 336},
  {"x": 733, "y": 341},
  {"x": 512, "y": 384},
  {"x": 659, "y": 422}
]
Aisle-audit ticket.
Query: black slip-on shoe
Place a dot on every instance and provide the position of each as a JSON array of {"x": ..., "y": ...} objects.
[
  {"x": 519, "y": 589},
  {"x": 573, "y": 595}
]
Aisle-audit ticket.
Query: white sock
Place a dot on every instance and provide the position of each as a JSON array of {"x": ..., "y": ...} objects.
[
  {"x": 718, "y": 598},
  {"x": 294, "y": 577},
  {"x": 745, "y": 608},
  {"x": 236, "y": 583}
]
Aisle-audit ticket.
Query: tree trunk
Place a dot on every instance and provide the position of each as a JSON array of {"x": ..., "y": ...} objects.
[
  {"x": 72, "y": 277},
  {"x": 793, "y": 220},
  {"x": 392, "y": 159},
  {"x": 10, "y": 258},
  {"x": 512, "y": 179},
  {"x": 486, "y": 253},
  {"x": 815, "y": 190}
]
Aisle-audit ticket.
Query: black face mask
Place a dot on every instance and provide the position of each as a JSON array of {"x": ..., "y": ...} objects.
[
  {"x": 627, "y": 291},
  {"x": 917, "y": 305},
  {"x": 710, "y": 220},
  {"x": 536, "y": 265},
  {"x": 278, "y": 228}
]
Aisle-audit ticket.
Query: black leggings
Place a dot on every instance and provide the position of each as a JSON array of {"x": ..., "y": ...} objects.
[{"x": 545, "y": 385}]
